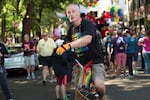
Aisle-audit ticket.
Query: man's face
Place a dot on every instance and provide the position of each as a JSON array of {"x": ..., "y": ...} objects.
[
  {"x": 26, "y": 38},
  {"x": 73, "y": 13},
  {"x": 45, "y": 37}
]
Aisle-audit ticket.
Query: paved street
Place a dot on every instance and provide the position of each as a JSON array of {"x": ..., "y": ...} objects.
[{"x": 137, "y": 88}]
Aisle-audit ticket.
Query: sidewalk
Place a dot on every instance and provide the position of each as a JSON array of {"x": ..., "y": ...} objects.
[{"x": 137, "y": 88}]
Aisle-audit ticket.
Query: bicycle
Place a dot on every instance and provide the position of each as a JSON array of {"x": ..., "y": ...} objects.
[{"x": 84, "y": 86}]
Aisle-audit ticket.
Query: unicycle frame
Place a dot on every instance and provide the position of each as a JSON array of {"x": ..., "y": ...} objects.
[{"x": 84, "y": 86}]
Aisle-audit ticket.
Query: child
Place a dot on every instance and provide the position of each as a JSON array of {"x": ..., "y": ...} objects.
[{"x": 60, "y": 69}]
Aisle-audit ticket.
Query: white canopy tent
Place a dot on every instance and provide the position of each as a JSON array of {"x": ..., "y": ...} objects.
[
  {"x": 59, "y": 14},
  {"x": 83, "y": 9}
]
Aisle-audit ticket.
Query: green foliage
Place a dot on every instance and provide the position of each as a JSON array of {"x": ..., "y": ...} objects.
[{"x": 43, "y": 12}]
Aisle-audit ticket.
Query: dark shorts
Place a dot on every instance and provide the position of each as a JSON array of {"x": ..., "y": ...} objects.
[
  {"x": 45, "y": 61},
  {"x": 61, "y": 80}
]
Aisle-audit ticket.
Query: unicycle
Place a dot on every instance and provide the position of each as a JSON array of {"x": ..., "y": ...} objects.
[{"x": 84, "y": 85}]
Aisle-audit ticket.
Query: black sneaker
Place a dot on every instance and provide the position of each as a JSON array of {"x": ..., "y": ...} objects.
[{"x": 44, "y": 83}]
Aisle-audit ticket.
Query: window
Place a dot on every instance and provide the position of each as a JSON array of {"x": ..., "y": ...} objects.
[
  {"x": 15, "y": 48},
  {"x": 115, "y": 2}
]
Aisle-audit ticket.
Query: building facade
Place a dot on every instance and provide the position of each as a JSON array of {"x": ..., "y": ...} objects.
[{"x": 139, "y": 13}]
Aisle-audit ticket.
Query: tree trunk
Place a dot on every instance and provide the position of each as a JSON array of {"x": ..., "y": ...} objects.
[
  {"x": 27, "y": 20},
  {"x": 38, "y": 32}
]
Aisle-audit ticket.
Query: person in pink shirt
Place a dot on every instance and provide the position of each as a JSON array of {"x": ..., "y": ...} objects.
[{"x": 145, "y": 43}]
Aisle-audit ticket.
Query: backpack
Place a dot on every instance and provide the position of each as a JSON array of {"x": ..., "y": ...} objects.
[{"x": 120, "y": 44}]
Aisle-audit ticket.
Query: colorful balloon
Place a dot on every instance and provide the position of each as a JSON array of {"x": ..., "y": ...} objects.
[
  {"x": 107, "y": 14},
  {"x": 112, "y": 11},
  {"x": 116, "y": 19},
  {"x": 96, "y": 4},
  {"x": 112, "y": 19},
  {"x": 120, "y": 12},
  {"x": 92, "y": 3},
  {"x": 108, "y": 8},
  {"x": 115, "y": 10}
]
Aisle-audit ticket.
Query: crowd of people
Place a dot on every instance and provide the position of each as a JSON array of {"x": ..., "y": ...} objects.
[
  {"x": 56, "y": 55},
  {"x": 133, "y": 45}
]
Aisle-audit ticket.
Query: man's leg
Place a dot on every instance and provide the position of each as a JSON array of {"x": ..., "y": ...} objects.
[
  {"x": 4, "y": 84},
  {"x": 118, "y": 60},
  {"x": 51, "y": 70},
  {"x": 98, "y": 75},
  {"x": 52, "y": 74},
  {"x": 118, "y": 70},
  {"x": 45, "y": 73},
  {"x": 57, "y": 90},
  {"x": 99, "y": 84},
  {"x": 76, "y": 76},
  {"x": 32, "y": 71},
  {"x": 32, "y": 66},
  {"x": 28, "y": 72},
  {"x": 124, "y": 59},
  {"x": 142, "y": 60},
  {"x": 69, "y": 78},
  {"x": 27, "y": 64}
]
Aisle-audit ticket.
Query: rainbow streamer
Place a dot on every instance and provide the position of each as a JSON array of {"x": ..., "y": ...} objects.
[
  {"x": 88, "y": 78},
  {"x": 80, "y": 77}
]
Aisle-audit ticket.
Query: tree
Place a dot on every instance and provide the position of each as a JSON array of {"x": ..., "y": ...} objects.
[
  {"x": 27, "y": 20},
  {"x": 31, "y": 14},
  {"x": 2, "y": 12}
]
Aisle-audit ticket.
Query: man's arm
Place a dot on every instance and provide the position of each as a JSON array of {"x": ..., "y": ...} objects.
[
  {"x": 5, "y": 51},
  {"x": 33, "y": 47},
  {"x": 83, "y": 41}
]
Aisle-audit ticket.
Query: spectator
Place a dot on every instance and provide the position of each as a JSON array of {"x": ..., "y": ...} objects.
[
  {"x": 57, "y": 31},
  {"x": 107, "y": 41},
  {"x": 9, "y": 41},
  {"x": 45, "y": 48},
  {"x": 145, "y": 43},
  {"x": 91, "y": 17},
  {"x": 120, "y": 53},
  {"x": 3, "y": 78},
  {"x": 141, "y": 35},
  {"x": 60, "y": 69},
  {"x": 132, "y": 53},
  {"x": 28, "y": 48}
]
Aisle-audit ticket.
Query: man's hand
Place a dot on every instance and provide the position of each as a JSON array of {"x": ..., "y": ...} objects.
[{"x": 61, "y": 49}]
